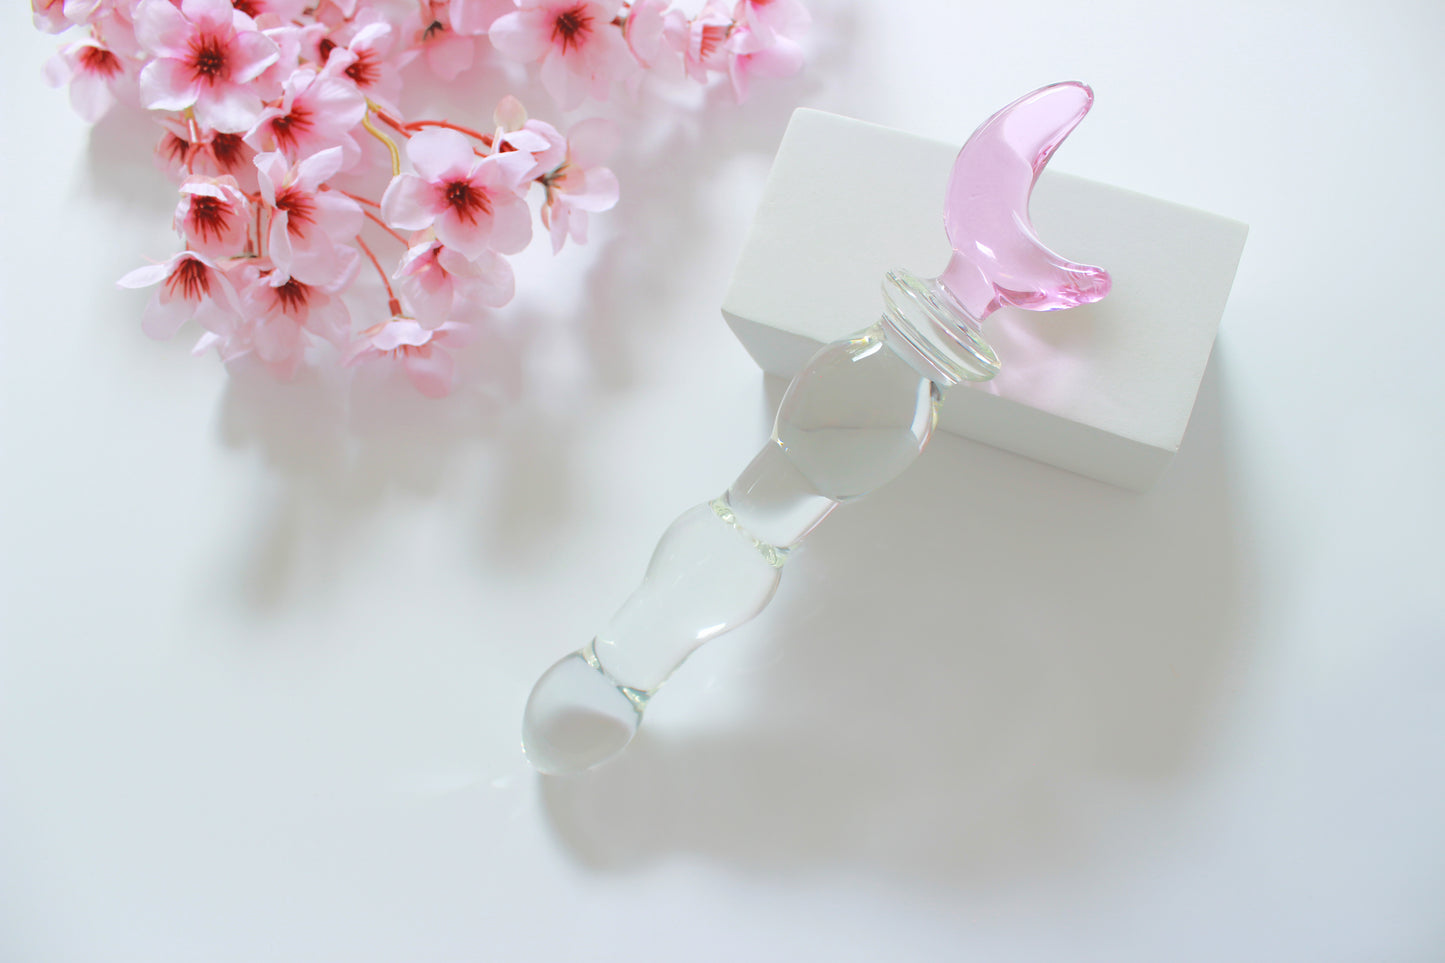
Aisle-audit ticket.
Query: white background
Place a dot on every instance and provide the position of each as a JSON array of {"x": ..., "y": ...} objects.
[{"x": 263, "y": 652}]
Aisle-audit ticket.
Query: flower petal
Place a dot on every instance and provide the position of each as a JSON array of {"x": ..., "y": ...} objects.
[
  {"x": 252, "y": 52},
  {"x": 57, "y": 70},
  {"x": 438, "y": 153},
  {"x": 271, "y": 169},
  {"x": 212, "y": 13},
  {"x": 277, "y": 339},
  {"x": 454, "y": 334},
  {"x": 338, "y": 215},
  {"x": 228, "y": 108},
  {"x": 599, "y": 191},
  {"x": 469, "y": 237},
  {"x": 163, "y": 318},
  {"x": 331, "y": 321},
  {"x": 278, "y": 242},
  {"x": 493, "y": 283},
  {"x": 522, "y": 36},
  {"x": 430, "y": 370},
  {"x": 319, "y": 168},
  {"x": 168, "y": 85},
  {"x": 90, "y": 96},
  {"x": 162, "y": 29},
  {"x": 569, "y": 89},
  {"x": 408, "y": 203},
  {"x": 557, "y": 225},
  {"x": 337, "y": 102},
  {"x": 509, "y": 113},
  {"x": 429, "y": 295},
  {"x": 145, "y": 276},
  {"x": 372, "y": 36},
  {"x": 511, "y": 224},
  {"x": 400, "y": 332},
  {"x": 510, "y": 170},
  {"x": 450, "y": 54}
]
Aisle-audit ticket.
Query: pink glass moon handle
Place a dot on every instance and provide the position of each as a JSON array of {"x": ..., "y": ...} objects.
[{"x": 998, "y": 259}]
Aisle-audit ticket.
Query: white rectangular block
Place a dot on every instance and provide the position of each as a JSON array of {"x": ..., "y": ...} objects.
[{"x": 1104, "y": 390}]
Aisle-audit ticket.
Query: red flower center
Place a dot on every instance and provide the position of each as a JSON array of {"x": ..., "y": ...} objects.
[
  {"x": 209, "y": 59},
  {"x": 467, "y": 200},
  {"x": 229, "y": 150},
  {"x": 571, "y": 27},
  {"x": 174, "y": 149},
  {"x": 712, "y": 37},
  {"x": 300, "y": 210},
  {"x": 209, "y": 216},
  {"x": 289, "y": 128},
  {"x": 99, "y": 61},
  {"x": 253, "y": 10},
  {"x": 365, "y": 70},
  {"x": 293, "y": 296},
  {"x": 191, "y": 278}
]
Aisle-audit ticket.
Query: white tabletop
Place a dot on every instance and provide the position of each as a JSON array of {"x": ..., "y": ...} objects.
[{"x": 263, "y": 653}]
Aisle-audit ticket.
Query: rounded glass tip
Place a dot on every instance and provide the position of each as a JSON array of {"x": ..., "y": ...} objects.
[{"x": 578, "y": 717}]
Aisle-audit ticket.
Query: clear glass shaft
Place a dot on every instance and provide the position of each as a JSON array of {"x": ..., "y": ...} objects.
[{"x": 855, "y": 417}]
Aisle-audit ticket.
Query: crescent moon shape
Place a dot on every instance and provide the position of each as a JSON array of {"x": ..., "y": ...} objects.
[{"x": 998, "y": 258}]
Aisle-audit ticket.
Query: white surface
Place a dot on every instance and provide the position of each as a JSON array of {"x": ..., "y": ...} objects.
[
  {"x": 263, "y": 662},
  {"x": 1104, "y": 390}
]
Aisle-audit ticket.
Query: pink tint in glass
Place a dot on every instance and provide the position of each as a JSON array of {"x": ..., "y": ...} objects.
[{"x": 998, "y": 258}]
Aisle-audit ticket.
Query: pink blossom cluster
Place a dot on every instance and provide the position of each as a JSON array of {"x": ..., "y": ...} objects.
[{"x": 299, "y": 174}]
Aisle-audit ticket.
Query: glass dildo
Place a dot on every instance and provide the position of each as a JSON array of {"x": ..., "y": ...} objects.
[{"x": 853, "y": 418}]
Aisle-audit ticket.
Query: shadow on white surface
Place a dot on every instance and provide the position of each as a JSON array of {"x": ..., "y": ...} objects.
[{"x": 972, "y": 665}]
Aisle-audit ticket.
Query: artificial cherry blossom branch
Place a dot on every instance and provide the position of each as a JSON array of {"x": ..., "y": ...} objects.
[{"x": 261, "y": 104}]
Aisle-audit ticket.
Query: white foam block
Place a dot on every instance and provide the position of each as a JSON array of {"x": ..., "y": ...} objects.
[{"x": 1104, "y": 390}]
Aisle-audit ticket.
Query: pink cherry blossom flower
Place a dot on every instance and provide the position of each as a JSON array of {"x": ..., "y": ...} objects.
[
  {"x": 210, "y": 153},
  {"x": 471, "y": 202},
  {"x": 213, "y": 216},
  {"x": 702, "y": 41},
  {"x": 447, "y": 52},
  {"x": 206, "y": 54},
  {"x": 289, "y": 39},
  {"x": 53, "y": 16},
  {"x": 365, "y": 61},
  {"x": 421, "y": 352},
  {"x": 230, "y": 345},
  {"x": 769, "y": 17},
  {"x": 93, "y": 72},
  {"x": 644, "y": 28},
  {"x": 436, "y": 282},
  {"x": 580, "y": 185},
  {"x": 763, "y": 55},
  {"x": 316, "y": 111},
  {"x": 581, "y": 51},
  {"x": 191, "y": 288},
  {"x": 110, "y": 23},
  {"x": 309, "y": 226},
  {"x": 516, "y": 131},
  {"x": 262, "y": 105},
  {"x": 287, "y": 316}
]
